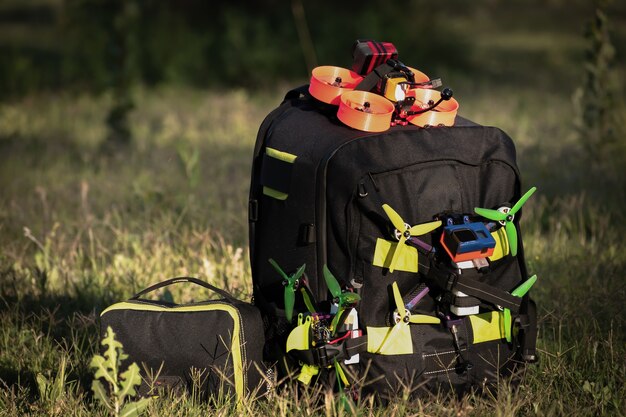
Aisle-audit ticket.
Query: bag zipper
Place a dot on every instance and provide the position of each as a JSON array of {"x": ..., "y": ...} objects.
[{"x": 320, "y": 213}]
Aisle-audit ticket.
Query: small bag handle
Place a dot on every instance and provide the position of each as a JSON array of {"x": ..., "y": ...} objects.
[{"x": 177, "y": 280}]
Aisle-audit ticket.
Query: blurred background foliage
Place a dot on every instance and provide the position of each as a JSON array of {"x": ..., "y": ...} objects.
[
  {"x": 192, "y": 78},
  {"x": 95, "y": 45}
]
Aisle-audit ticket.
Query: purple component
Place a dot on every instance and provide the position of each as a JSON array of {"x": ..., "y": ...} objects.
[
  {"x": 451, "y": 323},
  {"x": 416, "y": 299},
  {"x": 420, "y": 244}
]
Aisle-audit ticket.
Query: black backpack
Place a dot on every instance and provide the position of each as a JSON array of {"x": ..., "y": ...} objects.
[{"x": 323, "y": 195}]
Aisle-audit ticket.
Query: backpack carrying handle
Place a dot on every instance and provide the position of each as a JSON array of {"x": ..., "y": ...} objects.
[
  {"x": 296, "y": 93},
  {"x": 177, "y": 280}
]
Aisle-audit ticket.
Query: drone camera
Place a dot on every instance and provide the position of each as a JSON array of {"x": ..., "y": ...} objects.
[{"x": 464, "y": 242}]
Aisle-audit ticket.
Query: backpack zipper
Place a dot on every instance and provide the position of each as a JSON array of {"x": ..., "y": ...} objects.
[{"x": 320, "y": 214}]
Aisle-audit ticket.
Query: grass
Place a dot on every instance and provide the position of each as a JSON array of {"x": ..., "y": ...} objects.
[{"x": 80, "y": 229}]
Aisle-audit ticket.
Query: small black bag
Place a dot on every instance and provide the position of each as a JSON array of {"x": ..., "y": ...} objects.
[{"x": 217, "y": 344}]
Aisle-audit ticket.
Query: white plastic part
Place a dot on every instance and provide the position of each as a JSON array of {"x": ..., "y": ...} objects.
[
  {"x": 463, "y": 311},
  {"x": 352, "y": 324}
]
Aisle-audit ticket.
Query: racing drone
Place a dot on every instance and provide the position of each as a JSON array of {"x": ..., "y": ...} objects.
[
  {"x": 321, "y": 332},
  {"x": 466, "y": 239},
  {"x": 381, "y": 91}
]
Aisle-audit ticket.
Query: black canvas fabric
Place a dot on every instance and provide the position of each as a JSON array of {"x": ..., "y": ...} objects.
[
  {"x": 338, "y": 181},
  {"x": 218, "y": 343}
]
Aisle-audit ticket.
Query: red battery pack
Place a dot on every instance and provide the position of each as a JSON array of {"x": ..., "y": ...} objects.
[{"x": 368, "y": 54}]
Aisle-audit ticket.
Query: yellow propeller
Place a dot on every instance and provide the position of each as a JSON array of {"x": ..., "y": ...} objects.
[{"x": 405, "y": 231}]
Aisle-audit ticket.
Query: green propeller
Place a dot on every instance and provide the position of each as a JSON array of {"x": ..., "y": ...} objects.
[
  {"x": 345, "y": 300},
  {"x": 291, "y": 283},
  {"x": 517, "y": 292},
  {"x": 404, "y": 232},
  {"x": 505, "y": 216}
]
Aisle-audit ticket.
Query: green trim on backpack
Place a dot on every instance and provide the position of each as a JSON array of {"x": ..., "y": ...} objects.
[{"x": 282, "y": 156}]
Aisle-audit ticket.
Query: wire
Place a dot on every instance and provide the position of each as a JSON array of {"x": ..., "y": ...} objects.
[{"x": 345, "y": 336}]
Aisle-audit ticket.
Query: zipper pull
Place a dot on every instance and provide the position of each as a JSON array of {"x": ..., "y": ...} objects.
[
  {"x": 362, "y": 190},
  {"x": 369, "y": 174}
]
